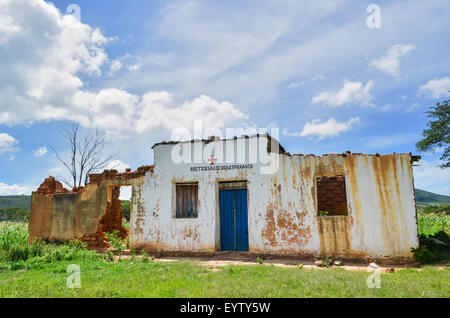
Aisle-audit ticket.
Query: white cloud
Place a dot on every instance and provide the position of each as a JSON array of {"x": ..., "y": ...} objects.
[
  {"x": 40, "y": 152},
  {"x": 117, "y": 165},
  {"x": 436, "y": 87},
  {"x": 322, "y": 130},
  {"x": 120, "y": 113},
  {"x": 350, "y": 93},
  {"x": 390, "y": 62},
  {"x": 428, "y": 176},
  {"x": 156, "y": 110},
  {"x": 45, "y": 82},
  {"x": 115, "y": 66},
  {"x": 7, "y": 143},
  {"x": 13, "y": 189},
  {"x": 43, "y": 53}
]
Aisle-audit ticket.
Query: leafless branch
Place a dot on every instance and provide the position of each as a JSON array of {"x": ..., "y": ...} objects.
[{"x": 87, "y": 155}]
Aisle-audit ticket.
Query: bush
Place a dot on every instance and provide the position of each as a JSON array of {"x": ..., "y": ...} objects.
[
  {"x": 115, "y": 240},
  {"x": 430, "y": 224},
  {"x": 14, "y": 214},
  {"x": 423, "y": 255},
  {"x": 125, "y": 206},
  {"x": 437, "y": 209},
  {"x": 430, "y": 249},
  {"x": 18, "y": 252},
  {"x": 12, "y": 235},
  {"x": 109, "y": 256}
]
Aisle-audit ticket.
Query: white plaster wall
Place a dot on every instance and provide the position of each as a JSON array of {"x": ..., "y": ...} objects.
[{"x": 281, "y": 206}]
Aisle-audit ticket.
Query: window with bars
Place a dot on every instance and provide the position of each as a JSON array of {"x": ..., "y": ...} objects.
[{"x": 186, "y": 198}]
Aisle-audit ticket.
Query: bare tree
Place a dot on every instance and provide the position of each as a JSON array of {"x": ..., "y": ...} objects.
[{"x": 86, "y": 155}]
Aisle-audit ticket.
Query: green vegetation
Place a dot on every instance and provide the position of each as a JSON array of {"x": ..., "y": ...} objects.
[
  {"x": 16, "y": 253},
  {"x": 15, "y": 201},
  {"x": 425, "y": 198},
  {"x": 438, "y": 133},
  {"x": 14, "y": 214},
  {"x": 116, "y": 241},
  {"x": 437, "y": 209},
  {"x": 434, "y": 235},
  {"x": 144, "y": 278},
  {"x": 125, "y": 205},
  {"x": 39, "y": 269}
]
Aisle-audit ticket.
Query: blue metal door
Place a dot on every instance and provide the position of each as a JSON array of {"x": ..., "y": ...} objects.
[{"x": 233, "y": 220}]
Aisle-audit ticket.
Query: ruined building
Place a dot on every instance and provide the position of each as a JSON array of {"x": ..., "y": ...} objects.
[{"x": 243, "y": 194}]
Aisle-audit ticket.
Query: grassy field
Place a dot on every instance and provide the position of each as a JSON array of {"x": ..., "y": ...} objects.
[
  {"x": 185, "y": 279},
  {"x": 40, "y": 270}
]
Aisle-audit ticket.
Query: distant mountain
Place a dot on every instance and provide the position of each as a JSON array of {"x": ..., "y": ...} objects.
[
  {"x": 423, "y": 198},
  {"x": 15, "y": 201}
]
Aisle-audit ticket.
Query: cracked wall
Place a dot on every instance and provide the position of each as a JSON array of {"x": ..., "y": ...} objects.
[{"x": 86, "y": 213}]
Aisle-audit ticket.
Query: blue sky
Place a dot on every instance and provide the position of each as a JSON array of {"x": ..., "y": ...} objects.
[{"x": 140, "y": 69}]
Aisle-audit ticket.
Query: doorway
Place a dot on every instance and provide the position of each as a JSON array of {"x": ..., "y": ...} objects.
[{"x": 233, "y": 216}]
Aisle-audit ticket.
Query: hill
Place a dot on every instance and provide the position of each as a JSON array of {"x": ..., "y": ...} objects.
[
  {"x": 425, "y": 198},
  {"x": 15, "y": 201}
]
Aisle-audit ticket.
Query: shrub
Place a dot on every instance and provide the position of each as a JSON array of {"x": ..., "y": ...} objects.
[
  {"x": 429, "y": 224},
  {"x": 115, "y": 240},
  {"x": 437, "y": 209},
  {"x": 12, "y": 235},
  {"x": 14, "y": 214},
  {"x": 18, "y": 252},
  {"x": 36, "y": 247},
  {"x": 125, "y": 206},
  {"x": 109, "y": 256},
  {"x": 423, "y": 255}
]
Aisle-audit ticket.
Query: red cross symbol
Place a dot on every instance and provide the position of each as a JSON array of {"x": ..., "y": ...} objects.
[{"x": 212, "y": 160}]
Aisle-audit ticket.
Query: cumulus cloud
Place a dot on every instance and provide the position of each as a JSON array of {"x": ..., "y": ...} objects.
[
  {"x": 45, "y": 81},
  {"x": 436, "y": 87},
  {"x": 13, "y": 189},
  {"x": 7, "y": 143},
  {"x": 350, "y": 93},
  {"x": 44, "y": 53},
  {"x": 120, "y": 113},
  {"x": 390, "y": 62},
  {"x": 40, "y": 152},
  {"x": 156, "y": 110},
  {"x": 321, "y": 130}
]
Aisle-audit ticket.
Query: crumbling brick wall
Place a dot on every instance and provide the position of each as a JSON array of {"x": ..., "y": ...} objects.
[
  {"x": 331, "y": 195},
  {"x": 112, "y": 219},
  {"x": 85, "y": 213}
]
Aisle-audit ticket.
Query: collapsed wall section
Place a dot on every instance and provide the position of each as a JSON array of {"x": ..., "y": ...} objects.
[{"x": 86, "y": 213}]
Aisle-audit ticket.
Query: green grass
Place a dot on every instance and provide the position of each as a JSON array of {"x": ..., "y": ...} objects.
[
  {"x": 40, "y": 270},
  {"x": 187, "y": 279}
]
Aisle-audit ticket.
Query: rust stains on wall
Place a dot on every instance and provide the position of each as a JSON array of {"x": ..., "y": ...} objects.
[
  {"x": 284, "y": 227},
  {"x": 334, "y": 235}
]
